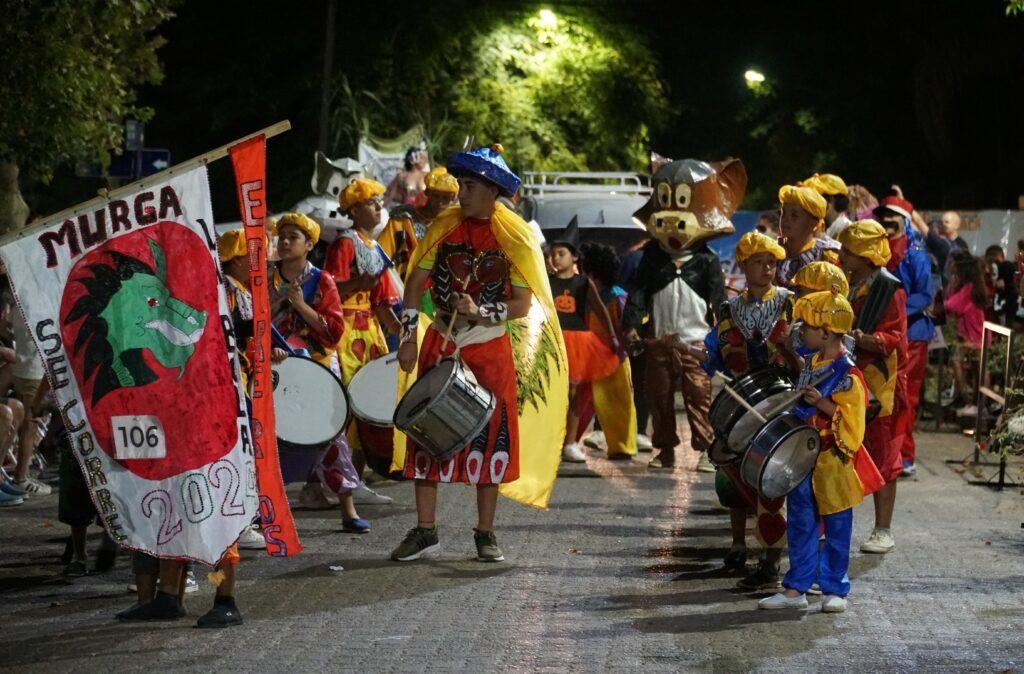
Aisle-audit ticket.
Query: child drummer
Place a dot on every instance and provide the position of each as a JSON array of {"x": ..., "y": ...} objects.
[
  {"x": 751, "y": 335},
  {"x": 843, "y": 474}
]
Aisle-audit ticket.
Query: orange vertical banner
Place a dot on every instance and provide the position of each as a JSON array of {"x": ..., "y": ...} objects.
[{"x": 249, "y": 159}]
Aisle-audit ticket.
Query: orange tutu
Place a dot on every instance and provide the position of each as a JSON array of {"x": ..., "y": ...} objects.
[{"x": 590, "y": 357}]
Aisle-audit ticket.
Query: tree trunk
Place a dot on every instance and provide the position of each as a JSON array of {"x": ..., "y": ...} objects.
[{"x": 13, "y": 209}]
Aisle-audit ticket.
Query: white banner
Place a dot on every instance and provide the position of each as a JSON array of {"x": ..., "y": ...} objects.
[{"x": 126, "y": 304}]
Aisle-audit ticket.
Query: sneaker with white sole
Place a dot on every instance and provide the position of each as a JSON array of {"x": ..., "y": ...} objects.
[
  {"x": 33, "y": 487},
  {"x": 909, "y": 469},
  {"x": 419, "y": 542},
  {"x": 312, "y": 497},
  {"x": 10, "y": 499},
  {"x": 833, "y": 603},
  {"x": 572, "y": 453},
  {"x": 251, "y": 539},
  {"x": 596, "y": 440},
  {"x": 780, "y": 600},
  {"x": 643, "y": 443},
  {"x": 704, "y": 464},
  {"x": 191, "y": 585},
  {"x": 363, "y": 495},
  {"x": 815, "y": 590},
  {"x": 879, "y": 542}
]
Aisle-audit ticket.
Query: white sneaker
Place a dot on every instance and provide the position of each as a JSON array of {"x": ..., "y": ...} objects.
[
  {"x": 880, "y": 542},
  {"x": 251, "y": 539},
  {"x": 643, "y": 443},
  {"x": 313, "y": 497},
  {"x": 363, "y": 495},
  {"x": 833, "y": 604},
  {"x": 967, "y": 411},
  {"x": 572, "y": 453},
  {"x": 190, "y": 583},
  {"x": 704, "y": 464},
  {"x": 596, "y": 440},
  {"x": 33, "y": 486},
  {"x": 780, "y": 600},
  {"x": 909, "y": 470}
]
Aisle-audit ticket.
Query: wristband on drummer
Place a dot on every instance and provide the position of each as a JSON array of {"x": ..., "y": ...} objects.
[
  {"x": 410, "y": 321},
  {"x": 495, "y": 312}
]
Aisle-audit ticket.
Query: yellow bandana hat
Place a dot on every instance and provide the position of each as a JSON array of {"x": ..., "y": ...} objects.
[
  {"x": 753, "y": 243},
  {"x": 231, "y": 244},
  {"x": 300, "y": 220},
  {"x": 805, "y": 198},
  {"x": 440, "y": 180},
  {"x": 867, "y": 239},
  {"x": 818, "y": 276},
  {"x": 359, "y": 190},
  {"x": 825, "y": 184},
  {"x": 826, "y": 309}
]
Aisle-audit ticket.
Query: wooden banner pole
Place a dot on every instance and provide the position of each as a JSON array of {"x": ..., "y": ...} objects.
[{"x": 105, "y": 196}]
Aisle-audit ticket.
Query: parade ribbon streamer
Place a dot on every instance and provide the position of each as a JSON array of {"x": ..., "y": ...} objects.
[{"x": 249, "y": 160}]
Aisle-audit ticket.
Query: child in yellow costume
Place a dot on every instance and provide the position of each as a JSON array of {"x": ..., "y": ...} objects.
[
  {"x": 843, "y": 474},
  {"x": 368, "y": 294}
]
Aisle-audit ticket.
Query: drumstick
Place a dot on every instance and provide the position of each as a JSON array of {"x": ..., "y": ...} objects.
[
  {"x": 451, "y": 326},
  {"x": 739, "y": 398},
  {"x": 793, "y": 397}
]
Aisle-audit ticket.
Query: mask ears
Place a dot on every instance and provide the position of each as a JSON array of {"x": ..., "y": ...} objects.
[{"x": 732, "y": 180}]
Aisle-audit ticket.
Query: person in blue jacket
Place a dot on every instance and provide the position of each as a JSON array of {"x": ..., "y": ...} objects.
[{"x": 911, "y": 264}]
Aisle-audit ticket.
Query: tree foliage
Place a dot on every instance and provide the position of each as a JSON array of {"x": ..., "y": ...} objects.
[
  {"x": 69, "y": 75},
  {"x": 560, "y": 92}
]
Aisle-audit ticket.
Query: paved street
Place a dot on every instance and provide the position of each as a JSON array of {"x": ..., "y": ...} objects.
[{"x": 621, "y": 574}]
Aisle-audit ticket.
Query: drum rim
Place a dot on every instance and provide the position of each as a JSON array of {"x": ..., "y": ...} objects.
[
  {"x": 355, "y": 407},
  {"x": 348, "y": 408},
  {"x": 764, "y": 464},
  {"x": 735, "y": 408}
]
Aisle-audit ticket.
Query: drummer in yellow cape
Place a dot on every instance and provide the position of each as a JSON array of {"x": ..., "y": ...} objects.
[
  {"x": 489, "y": 281},
  {"x": 836, "y": 405}
]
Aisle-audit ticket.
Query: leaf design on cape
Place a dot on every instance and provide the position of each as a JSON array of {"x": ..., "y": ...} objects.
[{"x": 535, "y": 353}]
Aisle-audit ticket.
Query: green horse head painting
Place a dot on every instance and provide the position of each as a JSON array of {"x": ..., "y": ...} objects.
[{"x": 127, "y": 310}]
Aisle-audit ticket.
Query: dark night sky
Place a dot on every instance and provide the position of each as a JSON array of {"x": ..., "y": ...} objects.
[{"x": 924, "y": 94}]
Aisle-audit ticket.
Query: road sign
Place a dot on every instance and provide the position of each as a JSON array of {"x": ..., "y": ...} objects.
[{"x": 154, "y": 160}]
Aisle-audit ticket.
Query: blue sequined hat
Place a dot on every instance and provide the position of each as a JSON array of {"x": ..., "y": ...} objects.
[{"x": 486, "y": 163}]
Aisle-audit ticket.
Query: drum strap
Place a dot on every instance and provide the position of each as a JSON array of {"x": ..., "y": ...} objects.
[
  {"x": 840, "y": 369},
  {"x": 880, "y": 294}
]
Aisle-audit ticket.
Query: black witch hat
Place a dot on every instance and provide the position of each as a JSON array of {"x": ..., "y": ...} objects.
[{"x": 570, "y": 237}]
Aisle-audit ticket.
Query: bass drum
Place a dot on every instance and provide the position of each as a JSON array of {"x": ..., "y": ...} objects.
[
  {"x": 311, "y": 408},
  {"x": 780, "y": 456},
  {"x": 374, "y": 395}
]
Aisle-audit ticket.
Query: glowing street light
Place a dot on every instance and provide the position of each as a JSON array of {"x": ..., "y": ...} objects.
[
  {"x": 547, "y": 19},
  {"x": 753, "y": 77}
]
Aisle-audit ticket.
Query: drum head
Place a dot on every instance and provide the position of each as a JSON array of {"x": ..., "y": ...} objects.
[
  {"x": 791, "y": 460},
  {"x": 374, "y": 390},
  {"x": 744, "y": 430},
  {"x": 310, "y": 404}
]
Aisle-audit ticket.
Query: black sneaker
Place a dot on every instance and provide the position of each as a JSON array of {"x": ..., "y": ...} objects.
[
  {"x": 763, "y": 577},
  {"x": 220, "y": 615},
  {"x": 419, "y": 542},
  {"x": 75, "y": 569},
  {"x": 736, "y": 560},
  {"x": 487, "y": 549},
  {"x": 162, "y": 607}
]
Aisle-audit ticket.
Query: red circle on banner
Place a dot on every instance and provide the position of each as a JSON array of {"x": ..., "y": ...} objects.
[{"x": 144, "y": 338}]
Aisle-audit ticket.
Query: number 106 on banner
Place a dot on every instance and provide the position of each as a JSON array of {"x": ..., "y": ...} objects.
[{"x": 138, "y": 437}]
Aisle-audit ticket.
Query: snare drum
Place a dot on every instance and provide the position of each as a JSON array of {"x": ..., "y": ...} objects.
[
  {"x": 310, "y": 409},
  {"x": 374, "y": 391},
  {"x": 780, "y": 456},
  {"x": 445, "y": 409},
  {"x": 734, "y": 424}
]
